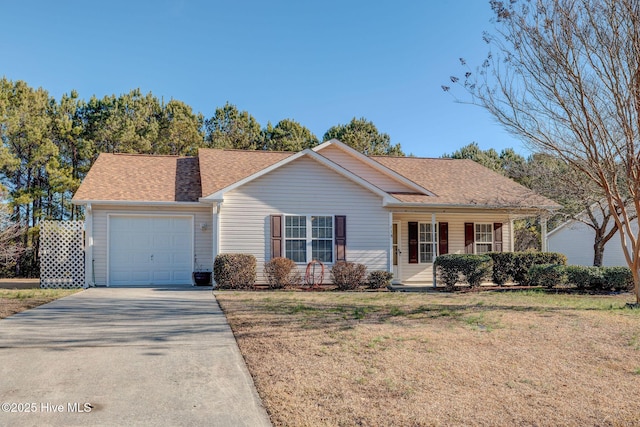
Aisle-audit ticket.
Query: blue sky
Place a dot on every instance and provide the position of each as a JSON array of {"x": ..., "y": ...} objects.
[{"x": 319, "y": 63}]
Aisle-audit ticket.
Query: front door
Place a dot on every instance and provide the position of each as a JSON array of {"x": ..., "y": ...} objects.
[{"x": 396, "y": 252}]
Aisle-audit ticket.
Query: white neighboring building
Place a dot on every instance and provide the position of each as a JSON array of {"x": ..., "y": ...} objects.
[{"x": 575, "y": 239}]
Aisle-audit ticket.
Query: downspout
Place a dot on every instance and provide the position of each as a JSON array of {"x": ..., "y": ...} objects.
[
  {"x": 435, "y": 247},
  {"x": 88, "y": 247}
]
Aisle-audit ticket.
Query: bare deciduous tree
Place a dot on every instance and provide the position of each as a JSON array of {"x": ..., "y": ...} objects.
[
  {"x": 10, "y": 239},
  {"x": 564, "y": 76}
]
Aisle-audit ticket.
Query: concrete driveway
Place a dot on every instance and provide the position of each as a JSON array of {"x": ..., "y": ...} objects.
[{"x": 126, "y": 356}]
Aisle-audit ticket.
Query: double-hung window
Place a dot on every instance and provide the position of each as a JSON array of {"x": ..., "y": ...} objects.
[
  {"x": 427, "y": 239},
  {"x": 309, "y": 237},
  {"x": 484, "y": 238}
]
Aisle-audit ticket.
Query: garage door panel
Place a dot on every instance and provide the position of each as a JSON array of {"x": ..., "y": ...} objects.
[
  {"x": 182, "y": 276},
  {"x": 140, "y": 276},
  {"x": 150, "y": 250}
]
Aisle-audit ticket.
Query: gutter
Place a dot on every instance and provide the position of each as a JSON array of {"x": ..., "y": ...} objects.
[
  {"x": 136, "y": 203},
  {"x": 468, "y": 206}
]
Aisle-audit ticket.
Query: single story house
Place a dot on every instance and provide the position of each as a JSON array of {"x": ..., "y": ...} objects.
[{"x": 152, "y": 220}]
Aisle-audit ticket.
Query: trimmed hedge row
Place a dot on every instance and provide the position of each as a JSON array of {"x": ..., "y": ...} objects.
[
  {"x": 597, "y": 279},
  {"x": 515, "y": 265},
  {"x": 530, "y": 269},
  {"x": 608, "y": 279},
  {"x": 472, "y": 269},
  {"x": 500, "y": 267}
]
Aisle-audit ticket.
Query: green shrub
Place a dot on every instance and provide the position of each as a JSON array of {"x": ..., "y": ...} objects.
[
  {"x": 448, "y": 268},
  {"x": 619, "y": 279},
  {"x": 282, "y": 273},
  {"x": 348, "y": 275},
  {"x": 234, "y": 271},
  {"x": 503, "y": 267},
  {"x": 548, "y": 275},
  {"x": 584, "y": 277},
  {"x": 379, "y": 279},
  {"x": 524, "y": 260},
  {"x": 473, "y": 268}
]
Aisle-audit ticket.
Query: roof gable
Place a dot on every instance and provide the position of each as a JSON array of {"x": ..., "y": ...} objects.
[
  {"x": 219, "y": 194},
  {"x": 368, "y": 169}
]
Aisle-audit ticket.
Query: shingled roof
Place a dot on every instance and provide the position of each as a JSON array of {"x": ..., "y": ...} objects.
[
  {"x": 133, "y": 177},
  {"x": 145, "y": 178},
  {"x": 462, "y": 182},
  {"x": 221, "y": 168}
]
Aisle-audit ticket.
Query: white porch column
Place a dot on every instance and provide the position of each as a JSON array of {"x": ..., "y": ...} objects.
[
  {"x": 215, "y": 211},
  {"x": 88, "y": 246},
  {"x": 390, "y": 257},
  {"x": 512, "y": 237},
  {"x": 543, "y": 233}
]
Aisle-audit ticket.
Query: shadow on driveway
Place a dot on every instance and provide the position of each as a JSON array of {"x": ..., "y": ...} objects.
[{"x": 163, "y": 356}]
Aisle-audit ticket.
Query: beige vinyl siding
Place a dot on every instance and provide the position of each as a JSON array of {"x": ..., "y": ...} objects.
[
  {"x": 358, "y": 167},
  {"x": 423, "y": 273},
  {"x": 304, "y": 187},
  {"x": 203, "y": 240}
]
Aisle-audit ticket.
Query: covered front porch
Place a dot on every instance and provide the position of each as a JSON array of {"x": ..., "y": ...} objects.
[{"x": 419, "y": 236}]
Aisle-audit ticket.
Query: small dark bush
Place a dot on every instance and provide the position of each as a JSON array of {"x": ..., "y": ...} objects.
[
  {"x": 448, "y": 268},
  {"x": 379, "y": 279},
  {"x": 473, "y": 268},
  {"x": 234, "y": 271},
  {"x": 619, "y": 279},
  {"x": 503, "y": 267},
  {"x": 524, "y": 260},
  {"x": 348, "y": 275},
  {"x": 282, "y": 273},
  {"x": 548, "y": 275},
  {"x": 584, "y": 277}
]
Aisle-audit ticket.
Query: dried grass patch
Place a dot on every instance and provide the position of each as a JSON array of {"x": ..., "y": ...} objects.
[
  {"x": 429, "y": 359},
  {"x": 13, "y": 301}
]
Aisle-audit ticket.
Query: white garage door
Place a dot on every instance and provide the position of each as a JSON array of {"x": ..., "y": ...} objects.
[{"x": 150, "y": 250}]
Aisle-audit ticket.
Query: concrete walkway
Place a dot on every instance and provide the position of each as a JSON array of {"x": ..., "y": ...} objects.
[{"x": 148, "y": 357}]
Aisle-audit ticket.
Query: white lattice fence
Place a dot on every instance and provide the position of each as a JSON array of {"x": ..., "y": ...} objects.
[{"x": 61, "y": 254}]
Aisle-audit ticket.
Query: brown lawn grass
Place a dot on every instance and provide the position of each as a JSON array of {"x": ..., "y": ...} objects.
[
  {"x": 407, "y": 359},
  {"x": 13, "y": 301}
]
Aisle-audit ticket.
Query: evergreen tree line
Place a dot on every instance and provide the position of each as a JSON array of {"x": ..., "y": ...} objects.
[{"x": 47, "y": 146}]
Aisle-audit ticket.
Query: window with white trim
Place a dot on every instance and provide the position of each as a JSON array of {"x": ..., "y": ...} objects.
[
  {"x": 295, "y": 228},
  {"x": 427, "y": 237},
  {"x": 483, "y": 238},
  {"x": 309, "y": 237}
]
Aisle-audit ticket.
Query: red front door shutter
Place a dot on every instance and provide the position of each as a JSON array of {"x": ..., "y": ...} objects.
[
  {"x": 497, "y": 237},
  {"x": 276, "y": 236},
  {"x": 468, "y": 237},
  {"x": 443, "y": 238},
  {"x": 413, "y": 243},
  {"x": 341, "y": 237}
]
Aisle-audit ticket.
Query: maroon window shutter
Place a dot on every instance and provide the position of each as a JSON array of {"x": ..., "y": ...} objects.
[
  {"x": 413, "y": 243},
  {"x": 276, "y": 236},
  {"x": 469, "y": 237},
  {"x": 497, "y": 237},
  {"x": 341, "y": 237},
  {"x": 443, "y": 238}
]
